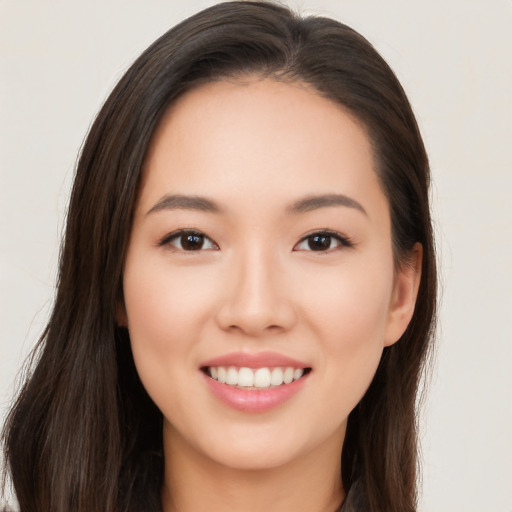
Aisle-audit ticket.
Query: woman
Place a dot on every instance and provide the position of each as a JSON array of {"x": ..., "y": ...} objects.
[{"x": 247, "y": 283}]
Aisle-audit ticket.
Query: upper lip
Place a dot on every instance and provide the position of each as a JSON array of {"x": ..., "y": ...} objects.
[{"x": 256, "y": 360}]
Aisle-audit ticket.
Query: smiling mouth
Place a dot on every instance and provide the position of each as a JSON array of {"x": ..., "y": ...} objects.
[{"x": 255, "y": 378}]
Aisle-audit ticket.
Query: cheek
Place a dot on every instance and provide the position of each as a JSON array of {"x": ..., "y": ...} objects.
[
  {"x": 349, "y": 313},
  {"x": 352, "y": 335},
  {"x": 350, "y": 306},
  {"x": 162, "y": 303},
  {"x": 163, "y": 310}
]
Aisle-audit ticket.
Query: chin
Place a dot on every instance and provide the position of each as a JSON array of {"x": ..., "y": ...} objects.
[
  {"x": 242, "y": 447},
  {"x": 264, "y": 447},
  {"x": 252, "y": 457}
]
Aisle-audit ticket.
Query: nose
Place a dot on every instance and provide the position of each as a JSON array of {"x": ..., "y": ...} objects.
[{"x": 256, "y": 299}]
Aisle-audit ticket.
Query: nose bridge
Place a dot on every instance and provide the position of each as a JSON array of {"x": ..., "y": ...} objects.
[{"x": 257, "y": 299}]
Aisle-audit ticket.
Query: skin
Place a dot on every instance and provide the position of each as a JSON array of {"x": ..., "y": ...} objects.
[{"x": 255, "y": 148}]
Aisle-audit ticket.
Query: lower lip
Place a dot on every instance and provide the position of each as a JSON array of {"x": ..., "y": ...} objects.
[{"x": 253, "y": 400}]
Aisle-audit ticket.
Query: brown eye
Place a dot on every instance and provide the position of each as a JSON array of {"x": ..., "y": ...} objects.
[
  {"x": 319, "y": 242},
  {"x": 323, "y": 241},
  {"x": 189, "y": 241}
]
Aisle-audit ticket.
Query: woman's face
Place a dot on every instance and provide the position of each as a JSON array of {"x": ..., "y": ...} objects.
[{"x": 260, "y": 252}]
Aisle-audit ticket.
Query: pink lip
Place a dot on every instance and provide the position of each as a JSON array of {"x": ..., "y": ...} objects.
[
  {"x": 257, "y": 360},
  {"x": 253, "y": 400}
]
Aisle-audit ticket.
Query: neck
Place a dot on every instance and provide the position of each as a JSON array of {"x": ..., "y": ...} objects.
[{"x": 194, "y": 482}]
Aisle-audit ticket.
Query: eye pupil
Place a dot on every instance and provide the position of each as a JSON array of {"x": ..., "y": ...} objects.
[
  {"x": 319, "y": 242},
  {"x": 192, "y": 242}
]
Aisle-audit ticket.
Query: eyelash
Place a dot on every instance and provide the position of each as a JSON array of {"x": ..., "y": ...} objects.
[
  {"x": 343, "y": 241},
  {"x": 176, "y": 235}
]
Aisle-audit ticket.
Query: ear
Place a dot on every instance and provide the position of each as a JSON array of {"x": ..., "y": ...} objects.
[{"x": 405, "y": 292}]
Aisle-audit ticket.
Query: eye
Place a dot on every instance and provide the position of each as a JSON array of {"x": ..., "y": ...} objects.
[
  {"x": 189, "y": 240},
  {"x": 323, "y": 241}
]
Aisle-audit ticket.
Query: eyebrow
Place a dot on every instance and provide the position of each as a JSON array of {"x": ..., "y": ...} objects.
[
  {"x": 203, "y": 204},
  {"x": 325, "y": 201},
  {"x": 181, "y": 202}
]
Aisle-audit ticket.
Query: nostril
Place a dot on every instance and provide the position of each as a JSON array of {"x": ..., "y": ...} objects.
[{"x": 255, "y": 311}]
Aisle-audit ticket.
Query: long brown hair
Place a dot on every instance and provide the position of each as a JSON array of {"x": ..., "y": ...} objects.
[{"x": 83, "y": 434}]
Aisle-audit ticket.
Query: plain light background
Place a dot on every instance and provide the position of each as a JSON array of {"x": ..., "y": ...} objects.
[{"x": 60, "y": 59}]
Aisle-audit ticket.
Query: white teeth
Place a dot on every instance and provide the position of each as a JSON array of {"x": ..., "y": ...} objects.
[
  {"x": 259, "y": 378},
  {"x": 245, "y": 377},
  {"x": 277, "y": 377},
  {"x": 232, "y": 376},
  {"x": 262, "y": 378},
  {"x": 288, "y": 375},
  {"x": 221, "y": 374}
]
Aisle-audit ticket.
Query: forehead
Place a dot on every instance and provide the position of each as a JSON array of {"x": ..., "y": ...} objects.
[{"x": 257, "y": 137}]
